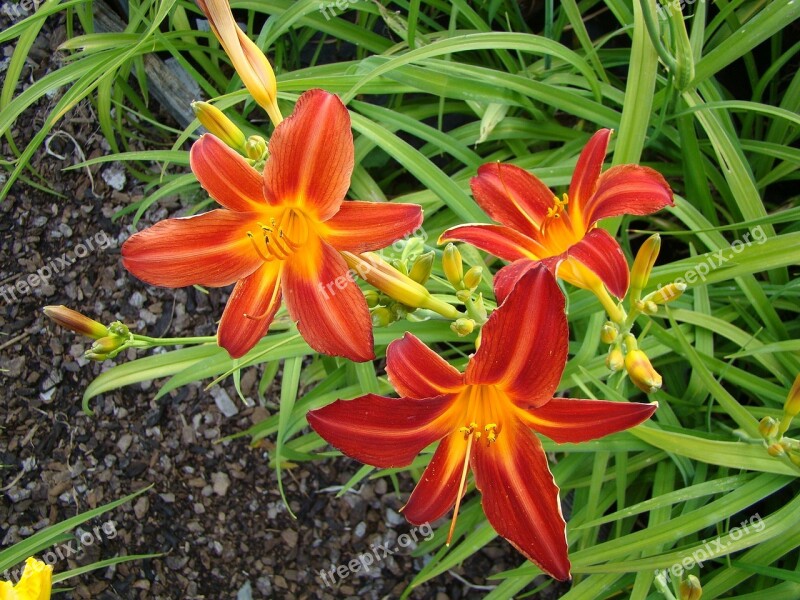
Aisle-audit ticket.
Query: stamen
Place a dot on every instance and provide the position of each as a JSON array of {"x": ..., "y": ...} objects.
[
  {"x": 260, "y": 254},
  {"x": 461, "y": 485}
]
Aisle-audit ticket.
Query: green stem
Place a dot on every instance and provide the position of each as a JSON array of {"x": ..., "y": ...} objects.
[{"x": 151, "y": 341}]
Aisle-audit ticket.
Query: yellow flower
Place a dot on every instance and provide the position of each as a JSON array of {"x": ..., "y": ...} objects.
[{"x": 35, "y": 583}]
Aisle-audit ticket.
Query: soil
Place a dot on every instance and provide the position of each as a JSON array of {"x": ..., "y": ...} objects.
[{"x": 214, "y": 512}]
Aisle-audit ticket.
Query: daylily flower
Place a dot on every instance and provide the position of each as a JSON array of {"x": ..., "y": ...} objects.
[
  {"x": 35, "y": 583},
  {"x": 279, "y": 234},
  {"x": 247, "y": 58},
  {"x": 484, "y": 418},
  {"x": 536, "y": 225}
]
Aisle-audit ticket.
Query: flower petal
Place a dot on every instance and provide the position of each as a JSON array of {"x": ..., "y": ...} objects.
[
  {"x": 566, "y": 420},
  {"x": 226, "y": 176},
  {"x": 503, "y": 242},
  {"x": 520, "y": 498},
  {"x": 250, "y": 310},
  {"x": 417, "y": 371},
  {"x": 524, "y": 343},
  {"x": 382, "y": 432},
  {"x": 587, "y": 171},
  {"x": 512, "y": 196},
  {"x": 331, "y": 311},
  {"x": 602, "y": 254},
  {"x": 211, "y": 249},
  {"x": 436, "y": 491},
  {"x": 365, "y": 226},
  {"x": 311, "y": 156},
  {"x": 628, "y": 190}
]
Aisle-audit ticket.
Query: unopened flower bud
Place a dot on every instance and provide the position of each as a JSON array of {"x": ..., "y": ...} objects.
[
  {"x": 256, "y": 148},
  {"x": 609, "y": 332},
  {"x": 463, "y": 326},
  {"x": 667, "y": 293},
  {"x": 792, "y": 406},
  {"x": 422, "y": 267},
  {"x": 472, "y": 278},
  {"x": 75, "y": 321},
  {"x": 615, "y": 360},
  {"x": 776, "y": 450},
  {"x": 372, "y": 297},
  {"x": 382, "y": 316},
  {"x": 400, "y": 266},
  {"x": 453, "y": 266},
  {"x": 219, "y": 125},
  {"x": 641, "y": 372},
  {"x": 105, "y": 347},
  {"x": 690, "y": 589},
  {"x": 643, "y": 265},
  {"x": 768, "y": 428}
]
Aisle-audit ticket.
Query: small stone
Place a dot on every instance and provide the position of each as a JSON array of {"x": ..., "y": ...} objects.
[
  {"x": 290, "y": 537},
  {"x": 114, "y": 176},
  {"x": 245, "y": 592},
  {"x": 141, "y": 507},
  {"x": 360, "y": 529},
  {"x": 124, "y": 442},
  {"x": 393, "y": 518},
  {"x": 223, "y": 401},
  {"x": 220, "y": 482},
  {"x": 18, "y": 494}
]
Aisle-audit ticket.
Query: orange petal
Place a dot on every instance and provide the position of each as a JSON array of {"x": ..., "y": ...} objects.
[
  {"x": 250, "y": 310},
  {"x": 365, "y": 226},
  {"x": 628, "y": 190},
  {"x": 322, "y": 296},
  {"x": 437, "y": 489},
  {"x": 602, "y": 254},
  {"x": 502, "y": 242},
  {"x": 567, "y": 420},
  {"x": 417, "y": 371},
  {"x": 524, "y": 343},
  {"x": 520, "y": 498},
  {"x": 512, "y": 196},
  {"x": 311, "y": 156},
  {"x": 587, "y": 171},
  {"x": 382, "y": 432},
  {"x": 210, "y": 249},
  {"x": 226, "y": 176}
]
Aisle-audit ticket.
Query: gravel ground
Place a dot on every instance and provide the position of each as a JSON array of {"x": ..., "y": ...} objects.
[{"x": 214, "y": 511}]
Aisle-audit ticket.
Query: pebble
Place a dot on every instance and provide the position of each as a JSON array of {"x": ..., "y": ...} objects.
[
  {"x": 220, "y": 483},
  {"x": 223, "y": 401},
  {"x": 245, "y": 592},
  {"x": 141, "y": 507},
  {"x": 124, "y": 442}
]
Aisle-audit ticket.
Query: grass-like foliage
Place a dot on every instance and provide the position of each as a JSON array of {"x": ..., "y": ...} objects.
[{"x": 708, "y": 97}]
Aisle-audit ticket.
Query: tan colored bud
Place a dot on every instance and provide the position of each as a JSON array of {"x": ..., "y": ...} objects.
[
  {"x": 690, "y": 589},
  {"x": 609, "y": 332},
  {"x": 768, "y": 428},
  {"x": 75, "y": 321},
  {"x": 776, "y": 450},
  {"x": 615, "y": 360},
  {"x": 792, "y": 406}
]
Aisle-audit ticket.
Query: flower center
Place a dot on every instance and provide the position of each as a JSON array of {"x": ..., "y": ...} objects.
[
  {"x": 555, "y": 211},
  {"x": 282, "y": 237}
]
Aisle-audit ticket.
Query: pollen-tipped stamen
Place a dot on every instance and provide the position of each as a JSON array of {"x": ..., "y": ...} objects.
[{"x": 472, "y": 433}]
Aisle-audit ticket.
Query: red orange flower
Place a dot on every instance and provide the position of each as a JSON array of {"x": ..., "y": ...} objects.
[
  {"x": 279, "y": 234},
  {"x": 484, "y": 418},
  {"x": 536, "y": 225}
]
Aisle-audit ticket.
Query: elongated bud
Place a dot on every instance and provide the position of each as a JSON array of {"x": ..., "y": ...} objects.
[
  {"x": 462, "y": 326},
  {"x": 382, "y": 316},
  {"x": 609, "y": 332},
  {"x": 792, "y": 406},
  {"x": 684, "y": 57},
  {"x": 453, "y": 266},
  {"x": 218, "y": 124},
  {"x": 75, "y": 321},
  {"x": 422, "y": 267},
  {"x": 768, "y": 428},
  {"x": 615, "y": 360},
  {"x": 667, "y": 293},
  {"x": 472, "y": 278},
  {"x": 690, "y": 589},
  {"x": 641, "y": 372},
  {"x": 256, "y": 148},
  {"x": 643, "y": 265},
  {"x": 247, "y": 58},
  {"x": 380, "y": 274}
]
